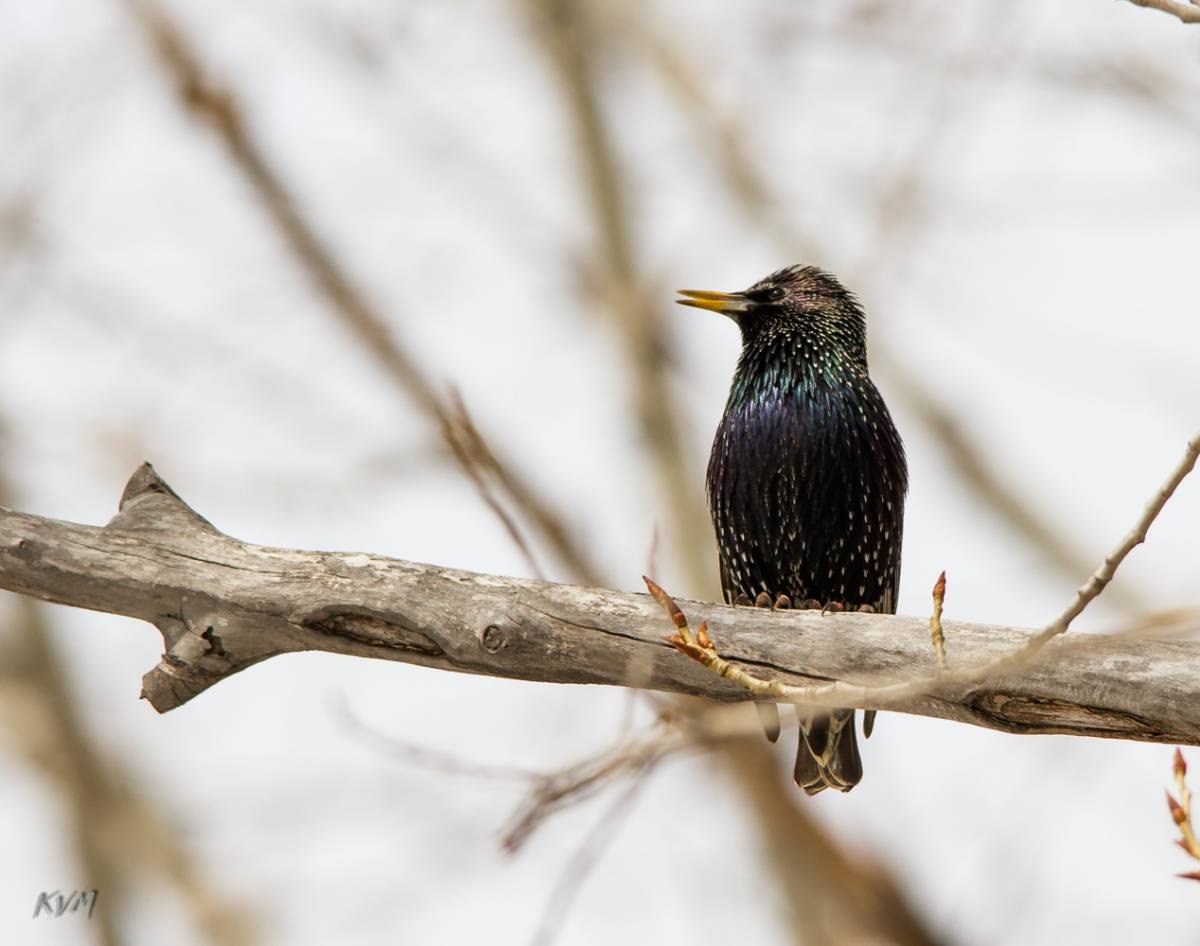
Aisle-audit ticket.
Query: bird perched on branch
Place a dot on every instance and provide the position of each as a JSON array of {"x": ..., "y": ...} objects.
[{"x": 807, "y": 479}]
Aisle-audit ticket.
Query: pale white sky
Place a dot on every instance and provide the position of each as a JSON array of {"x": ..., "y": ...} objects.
[{"x": 1046, "y": 292}]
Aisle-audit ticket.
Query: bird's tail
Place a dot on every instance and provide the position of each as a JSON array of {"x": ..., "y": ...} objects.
[{"x": 827, "y": 756}]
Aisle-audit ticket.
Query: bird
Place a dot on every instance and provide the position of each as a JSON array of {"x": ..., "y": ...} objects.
[{"x": 806, "y": 480}]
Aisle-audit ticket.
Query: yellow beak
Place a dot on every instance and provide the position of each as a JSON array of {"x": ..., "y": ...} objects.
[{"x": 727, "y": 303}]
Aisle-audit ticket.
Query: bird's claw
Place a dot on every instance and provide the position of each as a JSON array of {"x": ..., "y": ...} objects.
[
  {"x": 833, "y": 607},
  {"x": 784, "y": 603},
  {"x": 781, "y": 602}
]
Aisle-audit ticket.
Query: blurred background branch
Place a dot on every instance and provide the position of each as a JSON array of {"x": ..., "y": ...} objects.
[
  {"x": 569, "y": 36},
  {"x": 346, "y": 300},
  {"x": 499, "y": 211},
  {"x": 1187, "y": 12}
]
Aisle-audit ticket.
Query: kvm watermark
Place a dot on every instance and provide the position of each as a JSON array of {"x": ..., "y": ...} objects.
[{"x": 56, "y": 903}]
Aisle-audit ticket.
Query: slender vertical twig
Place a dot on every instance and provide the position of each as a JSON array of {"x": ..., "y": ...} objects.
[{"x": 569, "y": 37}]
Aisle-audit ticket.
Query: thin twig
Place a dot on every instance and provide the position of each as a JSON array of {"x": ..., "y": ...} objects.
[
  {"x": 552, "y": 792},
  {"x": 425, "y": 756},
  {"x": 1008, "y": 502},
  {"x": 571, "y": 880},
  {"x": 696, "y": 726},
  {"x": 468, "y": 447},
  {"x": 936, "y": 635},
  {"x": 1091, "y": 589},
  {"x": 1181, "y": 814},
  {"x": 1186, "y": 12},
  {"x": 549, "y": 792}
]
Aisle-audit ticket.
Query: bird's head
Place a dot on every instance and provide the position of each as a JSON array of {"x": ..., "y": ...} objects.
[{"x": 799, "y": 302}]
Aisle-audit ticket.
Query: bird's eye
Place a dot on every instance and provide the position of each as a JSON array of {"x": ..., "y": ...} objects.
[{"x": 774, "y": 294}]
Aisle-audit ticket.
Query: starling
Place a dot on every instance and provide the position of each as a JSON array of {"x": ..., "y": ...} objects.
[{"x": 807, "y": 477}]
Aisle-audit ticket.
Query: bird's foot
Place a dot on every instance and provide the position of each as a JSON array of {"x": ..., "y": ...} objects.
[
  {"x": 781, "y": 602},
  {"x": 833, "y": 607},
  {"x": 784, "y": 603}
]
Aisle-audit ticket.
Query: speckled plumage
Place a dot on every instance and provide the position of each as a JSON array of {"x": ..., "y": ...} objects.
[{"x": 807, "y": 477}]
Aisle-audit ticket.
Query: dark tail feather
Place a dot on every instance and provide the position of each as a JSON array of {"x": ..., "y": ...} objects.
[
  {"x": 827, "y": 756},
  {"x": 768, "y": 715},
  {"x": 807, "y": 775}
]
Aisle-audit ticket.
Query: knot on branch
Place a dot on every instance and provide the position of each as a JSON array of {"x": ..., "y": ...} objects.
[
  {"x": 1022, "y": 713},
  {"x": 494, "y": 636}
]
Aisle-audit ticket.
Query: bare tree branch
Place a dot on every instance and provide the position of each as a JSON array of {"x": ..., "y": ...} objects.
[
  {"x": 1186, "y": 12},
  {"x": 223, "y": 605}
]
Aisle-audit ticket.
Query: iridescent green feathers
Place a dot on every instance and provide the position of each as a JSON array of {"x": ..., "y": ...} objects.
[{"x": 807, "y": 477}]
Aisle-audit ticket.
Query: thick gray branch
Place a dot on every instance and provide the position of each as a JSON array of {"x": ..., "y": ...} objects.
[{"x": 222, "y": 605}]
